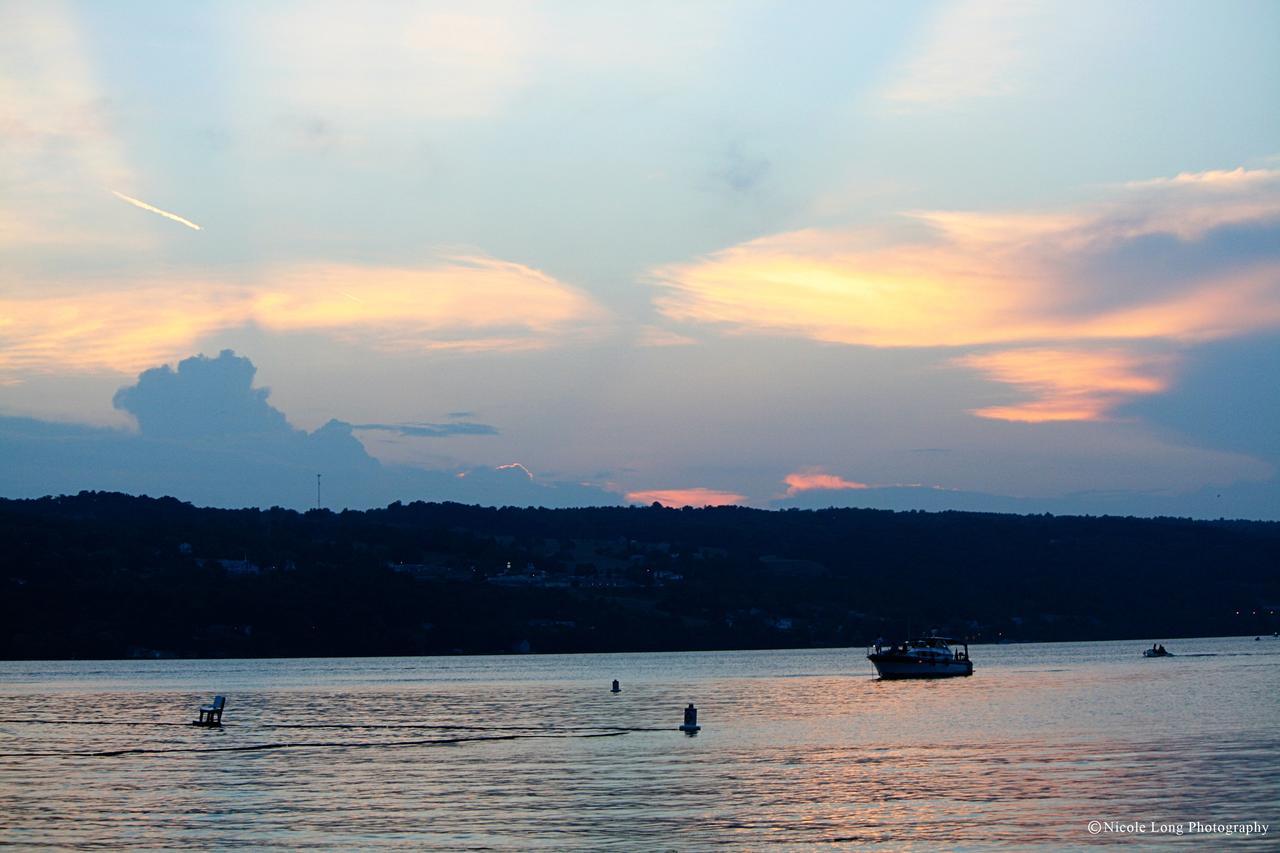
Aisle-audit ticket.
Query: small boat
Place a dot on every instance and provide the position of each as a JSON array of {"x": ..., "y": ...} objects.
[
  {"x": 1156, "y": 652},
  {"x": 925, "y": 657}
]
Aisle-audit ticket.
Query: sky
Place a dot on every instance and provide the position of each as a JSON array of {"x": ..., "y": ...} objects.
[{"x": 1016, "y": 257}]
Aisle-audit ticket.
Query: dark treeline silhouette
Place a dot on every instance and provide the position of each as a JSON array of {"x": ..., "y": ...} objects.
[{"x": 105, "y": 575}]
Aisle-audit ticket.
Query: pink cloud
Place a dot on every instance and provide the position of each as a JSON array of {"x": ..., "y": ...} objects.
[
  {"x": 686, "y": 497},
  {"x": 804, "y": 481},
  {"x": 1069, "y": 385}
]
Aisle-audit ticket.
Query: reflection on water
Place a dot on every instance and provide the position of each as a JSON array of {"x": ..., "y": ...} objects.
[{"x": 797, "y": 748}]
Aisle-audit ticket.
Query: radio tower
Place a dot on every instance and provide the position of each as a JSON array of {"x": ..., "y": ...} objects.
[{"x": 317, "y": 491}]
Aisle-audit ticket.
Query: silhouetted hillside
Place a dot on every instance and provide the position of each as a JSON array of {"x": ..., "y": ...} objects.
[{"x": 110, "y": 575}]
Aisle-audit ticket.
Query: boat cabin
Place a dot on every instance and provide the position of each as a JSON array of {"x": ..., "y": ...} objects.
[{"x": 926, "y": 647}]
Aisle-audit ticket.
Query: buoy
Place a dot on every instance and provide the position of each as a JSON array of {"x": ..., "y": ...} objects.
[
  {"x": 617, "y": 688},
  {"x": 690, "y": 725}
]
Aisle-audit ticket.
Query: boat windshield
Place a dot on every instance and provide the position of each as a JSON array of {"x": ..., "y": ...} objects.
[{"x": 933, "y": 646}]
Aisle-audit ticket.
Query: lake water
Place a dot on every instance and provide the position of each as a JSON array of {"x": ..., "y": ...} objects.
[{"x": 798, "y": 748}]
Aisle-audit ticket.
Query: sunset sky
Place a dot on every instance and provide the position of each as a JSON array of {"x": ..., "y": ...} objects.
[{"x": 975, "y": 255}]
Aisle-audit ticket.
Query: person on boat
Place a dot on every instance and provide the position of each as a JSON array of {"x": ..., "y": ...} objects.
[{"x": 1161, "y": 651}]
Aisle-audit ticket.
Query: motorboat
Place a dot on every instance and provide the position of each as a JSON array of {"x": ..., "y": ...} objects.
[
  {"x": 925, "y": 657},
  {"x": 1156, "y": 652}
]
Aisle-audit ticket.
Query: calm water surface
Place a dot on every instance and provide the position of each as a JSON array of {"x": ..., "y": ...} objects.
[{"x": 798, "y": 748}]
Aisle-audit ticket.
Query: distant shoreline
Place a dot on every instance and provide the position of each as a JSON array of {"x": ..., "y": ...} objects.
[
  {"x": 105, "y": 576},
  {"x": 856, "y": 649}
]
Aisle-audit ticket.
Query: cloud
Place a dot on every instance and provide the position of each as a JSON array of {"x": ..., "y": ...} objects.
[
  {"x": 205, "y": 434},
  {"x": 203, "y": 396},
  {"x": 1070, "y": 385},
  {"x": 971, "y": 49},
  {"x": 515, "y": 466},
  {"x": 819, "y": 481},
  {"x": 460, "y": 303},
  {"x": 117, "y": 329},
  {"x": 686, "y": 497},
  {"x": 432, "y": 430},
  {"x": 1088, "y": 290},
  {"x": 809, "y": 480}
]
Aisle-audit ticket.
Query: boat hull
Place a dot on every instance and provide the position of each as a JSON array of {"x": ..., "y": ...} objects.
[{"x": 915, "y": 668}]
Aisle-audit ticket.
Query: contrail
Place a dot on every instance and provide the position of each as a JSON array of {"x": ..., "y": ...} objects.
[{"x": 166, "y": 214}]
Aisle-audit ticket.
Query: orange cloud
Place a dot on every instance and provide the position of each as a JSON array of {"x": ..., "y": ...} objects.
[
  {"x": 457, "y": 304},
  {"x": 811, "y": 284},
  {"x": 804, "y": 481},
  {"x": 1013, "y": 280},
  {"x": 470, "y": 303},
  {"x": 124, "y": 330},
  {"x": 686, "y": 497},
  {"x": 1069, "y": 385}
]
